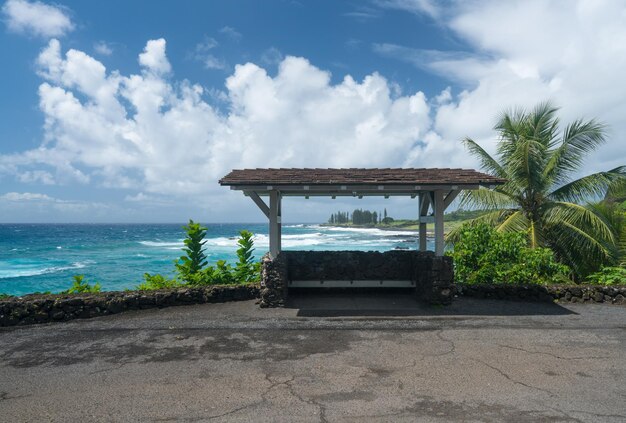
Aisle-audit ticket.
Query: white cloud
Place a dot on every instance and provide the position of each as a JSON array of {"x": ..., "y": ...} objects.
[
  {"x": 417, "y": 7},
  {"x": 203, "y": 54},
  {"x": 272, "y": 56},
  {"x": 25, "y": 196},
  {"x": 103, "y": 49},
  {"x": 524, "y": 52},
  {"x": 165, "y": 138},
  {"x": 212, "y": 62},
  {"x": 161, "y": 137},
  {"x": 231, "y": 32},
  {"x": 153, "y": 57},
  {"x": 36, "y": 18},
  {"x": 37, "y": 207}
]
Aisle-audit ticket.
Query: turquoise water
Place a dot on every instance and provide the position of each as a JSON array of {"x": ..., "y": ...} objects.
[{"x": 44, "y": 257}]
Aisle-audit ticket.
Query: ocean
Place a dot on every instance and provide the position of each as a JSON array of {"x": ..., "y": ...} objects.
[{"x": 44, "y": 257}]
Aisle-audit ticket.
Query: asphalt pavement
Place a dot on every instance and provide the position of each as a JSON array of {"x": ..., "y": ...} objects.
[{"x": 328, "y": 357}]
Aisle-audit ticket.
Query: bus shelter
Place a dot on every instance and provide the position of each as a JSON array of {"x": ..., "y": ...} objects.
[{"x": 435, "y": 189}]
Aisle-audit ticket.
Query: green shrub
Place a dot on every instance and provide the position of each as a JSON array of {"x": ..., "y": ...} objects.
[
  {"x": 483, "y": 256},
  {"x": 195, "y": 259},
  {"x": 4, "y": 296},
  {"x": 220, "y": 274},
  {"x": 157, "y": 282},
  {"x": 80, "y": 286},
  {"x": 191, "y": 267},
  {"x": 246, "y": 269},
  {"x": 608, "y": 276}
]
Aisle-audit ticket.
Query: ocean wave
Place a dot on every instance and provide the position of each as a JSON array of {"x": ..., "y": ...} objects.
[
  {"x": 177, "y": 244},
  {"x": 369, "y": 231},
  {"x": 19, "y": 270}
]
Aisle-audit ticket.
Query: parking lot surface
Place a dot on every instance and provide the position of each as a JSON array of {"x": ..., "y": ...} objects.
[{"x": 326, "y": 357}]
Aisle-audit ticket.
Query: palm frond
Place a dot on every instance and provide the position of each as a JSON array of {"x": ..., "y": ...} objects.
[
  {"x": 488, "y": 199},
  {"x": 515, "y": 222},
  {"x": 544, "y": 122},
  {"x": 588, "y": 255},
  {"x": 579, "y": 139},
  {"x": 584, "y": 218},
  {"x": 487, "y": 163},
  {"x": 525, "y": 164},
  {"x": 590, "y": 186},
  {"x": 616, "y": 191}
]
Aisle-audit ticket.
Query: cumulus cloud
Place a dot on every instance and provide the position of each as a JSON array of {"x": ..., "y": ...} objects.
[
  {"x": 159, "y": 136},
  {"x": 153, "y": 57},
  {"x": 103, "y": 49},
  {"x": 36, "y": 18},
  {"x": 523, "y": 52}
]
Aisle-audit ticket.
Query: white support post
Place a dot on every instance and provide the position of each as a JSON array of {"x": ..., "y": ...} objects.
[
  {"x": 280, "y": 222},
  {"x": 422, "y": 226},
  {"x": 274, "y": 223},
  {"x": 439, "y": 208}
]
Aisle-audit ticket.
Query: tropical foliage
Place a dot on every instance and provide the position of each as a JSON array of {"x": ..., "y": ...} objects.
[
  {"x": 483, "y": 255},
  {"x": 608, "y": 276},
  {"x": 80, "y": 286},
  {"x": 541, "y": 198},
  {"x": 195, "y": 259},
  {"x": 192, "y": 269},
  {"x": 247, "y": 270},
  {"x": 157, "y": 282}
]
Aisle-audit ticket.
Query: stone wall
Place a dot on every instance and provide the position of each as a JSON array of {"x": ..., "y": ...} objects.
[
  {"x": 434, "y": 276},
  {"x": 349, "y": 265},
  {"x": 273, "y": 281},
  {"x": 47, "y": 308},
  {"x": 559, "y": 293}
]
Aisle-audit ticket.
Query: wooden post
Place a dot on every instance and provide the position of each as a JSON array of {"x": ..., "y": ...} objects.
[
  {"x": 274, "y": 224},
  {"x": 422, "y": 225},
  {"x": 438, "y": 209},
  {"x": 280, "y": 222}
]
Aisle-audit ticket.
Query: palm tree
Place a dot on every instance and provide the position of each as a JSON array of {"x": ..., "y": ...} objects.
[{"x": 539, "y": 161}]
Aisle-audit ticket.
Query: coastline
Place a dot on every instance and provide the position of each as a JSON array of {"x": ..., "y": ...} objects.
[{"x": 430, "y": 230}]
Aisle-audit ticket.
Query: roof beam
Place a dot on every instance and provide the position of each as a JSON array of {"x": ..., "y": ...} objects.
[
  {"x": 450, "y": 198},
  {"x": 259, "y": 202},
  {"x": 406, "y": 189}
]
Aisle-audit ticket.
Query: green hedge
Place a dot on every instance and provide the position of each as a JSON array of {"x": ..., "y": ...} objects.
[{"x": 484, "y": 256}]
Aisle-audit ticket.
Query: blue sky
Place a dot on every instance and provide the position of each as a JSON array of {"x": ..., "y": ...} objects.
[{"x": 124, "y": 111}]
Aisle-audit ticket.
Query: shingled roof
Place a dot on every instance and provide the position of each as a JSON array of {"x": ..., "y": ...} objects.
[{"x": 361, "y": 176}]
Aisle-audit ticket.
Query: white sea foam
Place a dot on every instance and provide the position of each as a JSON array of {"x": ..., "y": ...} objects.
[
  {"x": 162, "y": 244},
  {"x": 370, "y": 231},
  {"x": 11, "y": 270}
]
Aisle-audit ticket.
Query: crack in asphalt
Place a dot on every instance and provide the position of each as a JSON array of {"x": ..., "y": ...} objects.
[
  {"x": 510, "y": 378},
  {"x": 553, "y": 355},
  {"x": 310, "y": 401},
  {"x": 4, "y": 396},
  {"x": 452, "y": 350}
]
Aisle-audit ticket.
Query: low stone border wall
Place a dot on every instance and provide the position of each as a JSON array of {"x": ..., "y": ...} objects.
[
  {"x": 551, "y": 293},
  {"x": 31, "y": 309}
]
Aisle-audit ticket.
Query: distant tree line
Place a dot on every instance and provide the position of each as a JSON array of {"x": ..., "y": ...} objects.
[{"x": 359, "y": 217}]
